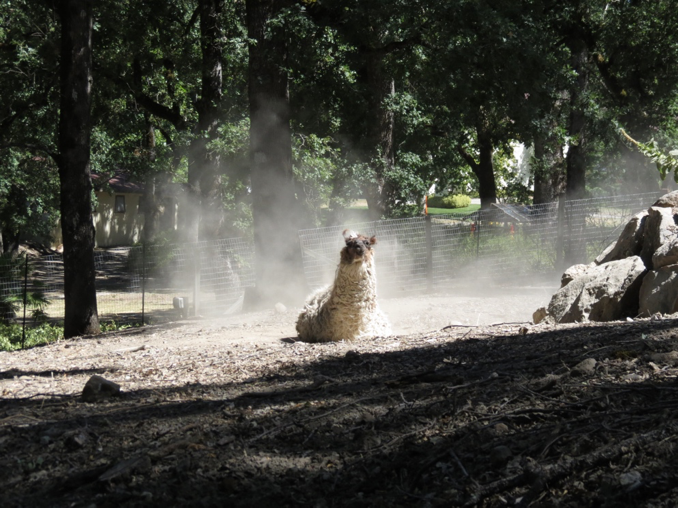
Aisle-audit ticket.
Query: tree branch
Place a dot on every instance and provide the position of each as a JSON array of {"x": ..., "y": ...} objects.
[
  {"x": 392, "y": 46},
  {"x": 467, "y": 157},
  {"x": 38, "y": 147},
  {"x": 172, "y": 115}
]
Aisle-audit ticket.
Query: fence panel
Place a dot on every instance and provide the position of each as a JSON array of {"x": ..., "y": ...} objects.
[
  {"x": 138, "y": 284},
  {"x": 400, "y": 253},
  {"x": 11, "y": 286},
  {"x": 210, "y": 277},
  {"x": 505, "y": 244}
]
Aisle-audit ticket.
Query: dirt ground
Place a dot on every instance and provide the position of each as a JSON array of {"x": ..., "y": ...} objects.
[{"x": 467, "y": 404}]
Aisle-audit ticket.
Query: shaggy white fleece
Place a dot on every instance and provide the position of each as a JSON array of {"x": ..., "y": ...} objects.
[{"x": 347, "y": 309}]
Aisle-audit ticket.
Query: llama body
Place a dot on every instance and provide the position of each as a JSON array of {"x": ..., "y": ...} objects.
[{"x": 347, "y": 309}]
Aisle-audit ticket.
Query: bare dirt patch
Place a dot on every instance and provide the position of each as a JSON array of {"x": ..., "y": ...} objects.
[{"x": 235, "y": 412}]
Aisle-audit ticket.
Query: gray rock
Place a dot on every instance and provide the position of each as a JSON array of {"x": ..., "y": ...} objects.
[
  {"x": 76, "y": 439},
  {"x": 539, "y": 315},
  {"x": 584, "y": 368},
  {"x": 629, "y": 243},
  {"x": 670, "y": 358},
  {"x": 601, "y": 293},
  {"x": 98, "y": 388},
  {"x": 669, "y": 200},
  {"x": 659, "y": 292},
  {"x": 660, "y": 228},
  {"x": 572, "y": 273},
  {"x": 500, "y": 454},
  {"x": 666, "y": 254}
]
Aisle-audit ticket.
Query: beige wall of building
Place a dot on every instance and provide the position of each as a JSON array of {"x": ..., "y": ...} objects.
[
  {"x": 114, "y": 227},
  {"x": 117, "y": 219}
]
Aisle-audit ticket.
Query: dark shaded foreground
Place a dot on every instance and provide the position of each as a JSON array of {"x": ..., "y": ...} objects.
[{"x": 487, "y": 416}]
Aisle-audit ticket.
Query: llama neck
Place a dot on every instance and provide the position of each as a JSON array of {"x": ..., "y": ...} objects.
[{"x": 356, "y": 281}]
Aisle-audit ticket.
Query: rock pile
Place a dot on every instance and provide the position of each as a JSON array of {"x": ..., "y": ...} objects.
[{"x": 635, "y": 276}]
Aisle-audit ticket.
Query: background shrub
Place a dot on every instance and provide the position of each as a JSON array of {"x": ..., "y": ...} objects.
[
  {"x": 11, "y": 334},
  {"x": 456, "y": 201}
]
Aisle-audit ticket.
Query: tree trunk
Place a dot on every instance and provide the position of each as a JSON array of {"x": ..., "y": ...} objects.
[
  {"x": 151, "y": 205},
  {"x": 381, "y": 87},
  {"x": 276, "y": 211},
  {"x": 204, "y": 169},
  {"x": 80, "y": 297},
  {"x": 549, "y": 169},
  {"x": 11, "y": 242},
  {"x": 576, "y": 153},
  {"x": 484, "y": 170}
]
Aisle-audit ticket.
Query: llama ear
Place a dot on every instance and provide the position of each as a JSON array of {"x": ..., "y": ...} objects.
[
  {"x": 373, "y": 240},
  {"x": 349, "y": 234}
]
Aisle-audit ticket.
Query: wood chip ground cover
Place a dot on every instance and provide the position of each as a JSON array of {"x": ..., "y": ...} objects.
[{"x": 503, "y": 415}]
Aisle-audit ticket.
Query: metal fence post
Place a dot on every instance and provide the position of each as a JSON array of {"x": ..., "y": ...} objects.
[
  {"x": 23, "y": 331},
  {"x": 143, "y": 283},
  {"x": 196, "y": 281},
  {"x": 478, "y": 234},
  {"x": 429, "y": 253},
  {"x": 560, "y": 240}
]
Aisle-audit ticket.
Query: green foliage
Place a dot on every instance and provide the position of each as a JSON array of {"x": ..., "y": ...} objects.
[
  {"x": 29, "y": 200},
  {"x": 666, "y": 162},
  {"x": 453, "y": 201},
  {"x": 457, "y": 201},
  {"x": 453, "y": 69},
  {"x": 315, "y": 167},
  {"x": 11, "y": 336},
  {"x": 112, "y": 326}
]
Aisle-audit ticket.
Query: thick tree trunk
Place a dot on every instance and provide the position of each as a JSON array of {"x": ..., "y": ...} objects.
[
  {"x": 277, "y": 213},
  {"x": 484, "y": 170},
  {"x": 381, "y": 87},
  {"x": 74, "y": 168},
  {"x": 576, "y": 153},
  {"x": 549, "y": 169},
  {"x": 576, "y": 159},
  {"x": 204, "y": 168},
  {"x": 11, "y": 242},
  {"x": 152, "y": 209}
]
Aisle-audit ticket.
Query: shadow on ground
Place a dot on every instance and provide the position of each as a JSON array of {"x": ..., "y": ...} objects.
[{"x": 576, "y": 416}]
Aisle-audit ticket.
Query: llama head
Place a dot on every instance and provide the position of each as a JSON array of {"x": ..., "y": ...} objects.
[{"x": 358, "y": 247}]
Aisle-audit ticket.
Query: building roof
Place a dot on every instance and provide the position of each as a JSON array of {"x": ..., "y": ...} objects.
[{"x": 119, "y": 182}]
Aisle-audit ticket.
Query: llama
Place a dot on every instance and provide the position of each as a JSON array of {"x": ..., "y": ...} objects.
[{"x": 346, "y": 309}]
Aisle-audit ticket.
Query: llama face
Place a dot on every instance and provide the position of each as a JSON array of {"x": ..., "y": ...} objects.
[{"x": 358, "y": 247}]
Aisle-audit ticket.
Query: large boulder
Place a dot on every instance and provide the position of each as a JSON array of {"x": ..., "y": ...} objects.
[
  {"x": 659, "y": 292},
  {"x": 669, "y": 200},
  {"x": 629, "y": 243},
  {"x": 600, "y": 293},
  {"x": 572, "y": 273},
  {"x": 660, "y": 228},
  {"x": 666, "y": 254},
  {"x": 635, "y": 275}
]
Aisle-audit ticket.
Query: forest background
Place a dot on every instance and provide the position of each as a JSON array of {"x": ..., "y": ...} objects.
[{"x": 264, "y": 112}]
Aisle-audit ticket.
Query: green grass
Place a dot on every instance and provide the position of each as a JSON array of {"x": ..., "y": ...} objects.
[
  {"x": 445, "y": 211},
  {"x": 360, "y": 213}
]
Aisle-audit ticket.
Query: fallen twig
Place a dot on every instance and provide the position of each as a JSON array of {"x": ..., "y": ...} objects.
[{"x": 537, "y": 474}]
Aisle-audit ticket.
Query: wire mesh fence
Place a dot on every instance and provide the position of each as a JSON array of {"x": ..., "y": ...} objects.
[
  {"x": 145, "y": 284},
  {"x": 12, "y": 274},
  {"x": 504, "y": 244}
]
